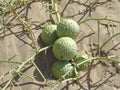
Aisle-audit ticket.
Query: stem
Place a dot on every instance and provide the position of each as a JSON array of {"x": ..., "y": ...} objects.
[
  {"x": 100, "y": 19},
  {"x": 99, "y": 49},
  {"x": 39, "y": 71},
  {"x": 109, "y": 40},
  {"x": 4, "y": 75},
  {"x": 8, "y": 83},
  {"x": 114, "y": 60},
  {"x": 77, "y": 78},
  {"x": 85, "y": 61},
  {"x": 58, "y": 82},
  {"x": 50, "y": 11},
  {"x": 99, "y": 58},
  {"x": 18, "y": 69},
  {"x": 24, "y": 63},
  {"x": 4, "y": 61},
  {"x": 31, "y": 58},
  {"x": 26, "y": 25},
  {"x": 70, "y": 79},
  {"x": 24, "y": 74},
  {"x": 56, "y": 11}
]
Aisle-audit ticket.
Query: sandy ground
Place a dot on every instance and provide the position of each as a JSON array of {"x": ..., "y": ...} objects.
[{"x": 16, "y": 45}]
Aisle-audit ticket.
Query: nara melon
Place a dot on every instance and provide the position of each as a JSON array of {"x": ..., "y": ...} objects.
[
  {"x": 49, "y": 35},
  {"x": 62, "y": 69},
  {"x": 64, "y": 48},
  {"x": 68, "y": 28},
  {"x": 79, "y": 59}
]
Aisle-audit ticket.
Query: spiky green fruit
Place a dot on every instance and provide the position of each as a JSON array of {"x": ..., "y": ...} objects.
[
  {"x": 62, "y": 69},
  {"x": 49, "y": 35},
  {"x": 64, "y": 48},
  {"x": 68, "y": 28}
]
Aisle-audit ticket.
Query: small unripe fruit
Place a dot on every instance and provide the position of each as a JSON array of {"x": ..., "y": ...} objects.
[
  {"x": 62, "y": 69},
  {"x": 49, "y": 35}
]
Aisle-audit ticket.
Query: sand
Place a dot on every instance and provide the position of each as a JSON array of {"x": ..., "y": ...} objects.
[{"x": 16, "y": 45}]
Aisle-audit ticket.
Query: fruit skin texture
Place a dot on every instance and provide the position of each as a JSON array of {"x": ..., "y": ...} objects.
[
  {"x": 68, "y": 28},
  {"x": 49, "y": 35},
  {"x": 80, "y": 58},
  {"x": 61, "y": 68},
  {"x": 64, "y": 48}
]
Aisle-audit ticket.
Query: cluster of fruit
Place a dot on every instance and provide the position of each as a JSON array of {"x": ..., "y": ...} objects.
[{"x": 62, "y": 36}]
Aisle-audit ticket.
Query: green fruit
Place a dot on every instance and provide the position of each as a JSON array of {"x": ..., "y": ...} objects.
[
  {"x": 62, "y": 69},
  {"x": 64, "y": 48},
  {"x": 49, "y": 35},
  {"x": 81, "y": 58},
  {"x": 68, "y": 28},
  {"x": 56, "y": 1}
]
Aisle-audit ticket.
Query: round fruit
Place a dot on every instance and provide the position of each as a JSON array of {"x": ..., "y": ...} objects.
[
  {"x": 81, "y": 58},
  {"x": 62, "y": 69},
  {"x": 49, "y": 35},
  {"x": 64, "y": 48},
  {"x": 68, "y": 28}
]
